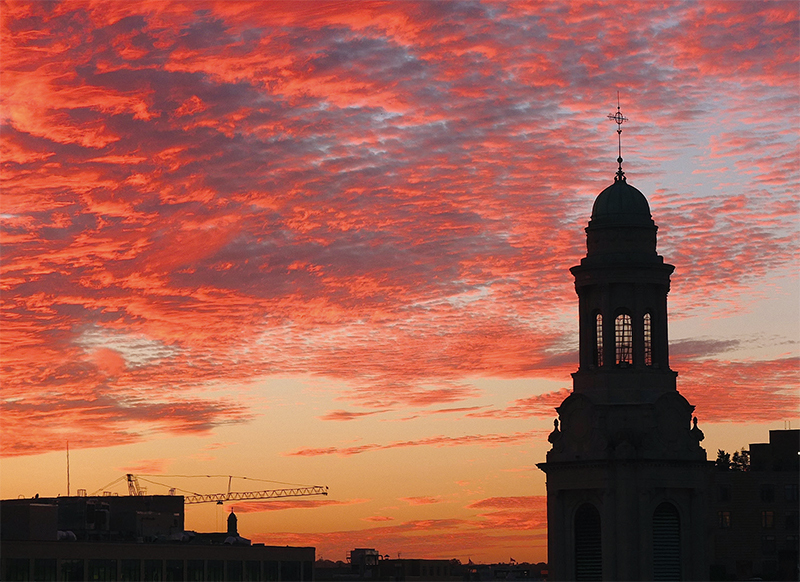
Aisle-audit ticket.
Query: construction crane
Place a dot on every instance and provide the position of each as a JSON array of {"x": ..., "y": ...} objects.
[
  {"x": 264, "y": 494},
  {"x": 133, "y": 485},
  {"x": 297, "y": 491}
]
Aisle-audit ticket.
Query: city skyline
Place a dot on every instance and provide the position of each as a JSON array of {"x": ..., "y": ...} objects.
[{"x": 329, "y": 243}]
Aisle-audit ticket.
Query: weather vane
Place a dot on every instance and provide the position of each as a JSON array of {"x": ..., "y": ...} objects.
[{"x": 619, "y": 119}]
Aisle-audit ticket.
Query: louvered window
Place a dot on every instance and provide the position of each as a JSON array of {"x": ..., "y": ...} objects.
[
  {"x": 666, "y": 543},
  {"x": 588, "y": 549}
]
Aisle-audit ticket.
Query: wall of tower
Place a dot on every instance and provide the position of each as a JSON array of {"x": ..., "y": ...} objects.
[
  {"x": 627, "y": 495},
  {"x": 635, "y": 289},
  {"x": 626, "y": 244}
]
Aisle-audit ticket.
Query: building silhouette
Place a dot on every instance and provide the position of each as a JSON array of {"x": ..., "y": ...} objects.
[
  {"x": 754, "y": 513},
  {"x": 370, "y": 564},
  {"x": 135, "y": 538},
  {"x": 627, "y": 479}
]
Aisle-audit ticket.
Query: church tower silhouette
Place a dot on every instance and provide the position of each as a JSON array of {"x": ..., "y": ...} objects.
[{"x": 627, "y": 480}]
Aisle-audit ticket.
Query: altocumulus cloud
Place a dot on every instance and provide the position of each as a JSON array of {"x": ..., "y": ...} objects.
[{"x": 383, "y": 194}]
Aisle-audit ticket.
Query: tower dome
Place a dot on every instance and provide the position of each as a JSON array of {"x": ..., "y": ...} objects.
[
  {"x": 621, "y": 204},
  {"x": 621, "y": 227}
]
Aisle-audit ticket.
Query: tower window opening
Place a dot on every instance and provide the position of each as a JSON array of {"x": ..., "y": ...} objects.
[
  {"x": 648, "y": 340},
  {"x": 623, "y": 335},
  {"x": 598, "y": 347}
]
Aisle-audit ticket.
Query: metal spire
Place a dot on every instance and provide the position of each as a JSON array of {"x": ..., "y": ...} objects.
[{"x": 619, "y": 119}]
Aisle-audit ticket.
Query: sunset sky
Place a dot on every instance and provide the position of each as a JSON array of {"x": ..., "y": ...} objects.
[{"x": 329, "y": 243}]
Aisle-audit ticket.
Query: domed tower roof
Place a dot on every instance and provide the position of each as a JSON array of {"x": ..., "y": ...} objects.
[
  {"x": 621, "y": 205},
  {"x": 621, "y": 228}
]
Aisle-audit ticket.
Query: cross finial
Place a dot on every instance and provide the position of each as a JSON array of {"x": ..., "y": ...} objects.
[{"x": 619, "y": 119}]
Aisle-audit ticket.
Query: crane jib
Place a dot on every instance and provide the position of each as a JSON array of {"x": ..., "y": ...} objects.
[{"x": 266, "y": 494}]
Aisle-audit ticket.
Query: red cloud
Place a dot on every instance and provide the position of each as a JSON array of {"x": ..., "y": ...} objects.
[
  {"x": 281, "y": 504},
  {"x": 346, "y": 415},
  {"x": 489, "y": 440},
  {"x": 104, "y": 421},
  {"x": 514, "y": 513},
  {"x": 110, "y": 361},
  {"x": 758, "y": 391},
  {"x": 421, "y": 500},
  {"x": 540, "y": 405},
  {"x": 378, "y": 518},
  {"x": 530, "y": 502},
  {"x": 146, "y": 466},
  {"x": 457, "y": 538},
  {"x": 389, "y": 195}
]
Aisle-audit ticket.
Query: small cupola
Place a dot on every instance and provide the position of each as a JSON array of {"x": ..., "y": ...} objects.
[
  {"x": 233, "y": 524},
  {"x": 621, "y": 205}
]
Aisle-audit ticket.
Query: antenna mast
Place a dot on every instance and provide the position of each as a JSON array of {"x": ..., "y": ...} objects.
[
  {"x": 67, "y": 468},
  {"x": 619, "y": 119}
]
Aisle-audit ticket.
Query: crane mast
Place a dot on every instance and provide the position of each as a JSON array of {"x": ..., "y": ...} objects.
[{"x": 133, "y": 485}]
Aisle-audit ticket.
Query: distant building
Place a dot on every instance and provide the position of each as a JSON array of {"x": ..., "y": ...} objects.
[
  {"x": 512, "y": 571},
  {"x": 132, "y": 538},
  {"x": 369, "y": 564},
  {"x": 755, "y": 513},
  {"x": 93, "y": 519},
  {"x": 627, "y": 479}
]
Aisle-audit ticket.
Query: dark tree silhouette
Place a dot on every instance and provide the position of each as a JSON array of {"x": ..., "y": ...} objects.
[
  {"x": 723, "y": 462},
  {"x": 739, "y": 462}
]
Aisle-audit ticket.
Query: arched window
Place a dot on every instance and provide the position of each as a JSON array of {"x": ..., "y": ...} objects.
[
  {"x": 623, "y": 336},
  {"x": 666, "y": 543},
  {"x": 598, "y": 343},
  {"x": 648, "y": 340},
  {"x": 588, "y": 549}
]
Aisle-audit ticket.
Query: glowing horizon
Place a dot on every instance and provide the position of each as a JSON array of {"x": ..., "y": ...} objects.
[{"x": 329, "y": 243}]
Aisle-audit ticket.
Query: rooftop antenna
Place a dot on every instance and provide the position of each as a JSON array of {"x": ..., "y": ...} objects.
[
  {"x": 619, "y": 119},
  {"x": 67, "y": 468}
]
